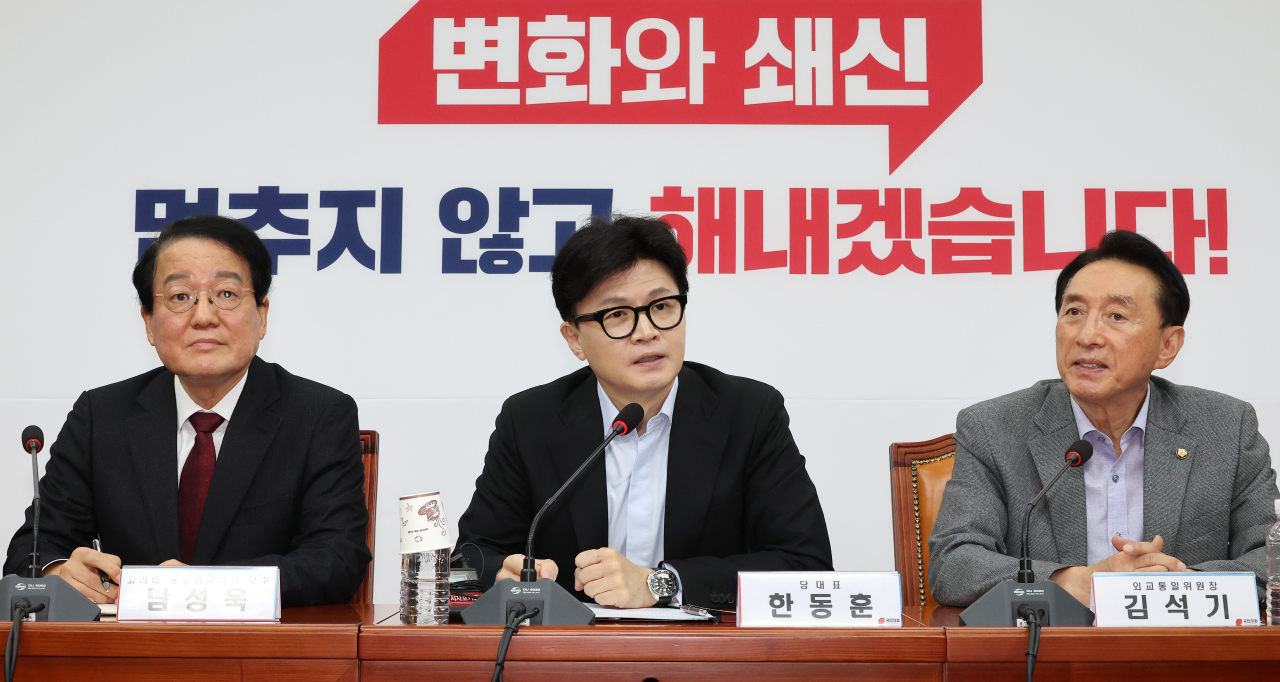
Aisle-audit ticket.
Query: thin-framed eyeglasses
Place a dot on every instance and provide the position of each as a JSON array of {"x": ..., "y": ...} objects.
[
  {"x": 620, "y": 322},
  {"x": 226, "y": 295}
]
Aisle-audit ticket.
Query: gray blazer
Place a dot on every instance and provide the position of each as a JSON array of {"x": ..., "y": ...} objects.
[{"x": 1213, "y": 508}]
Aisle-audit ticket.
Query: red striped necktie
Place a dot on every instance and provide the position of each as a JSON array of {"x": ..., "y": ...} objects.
[{"x": 193, "y": 486}]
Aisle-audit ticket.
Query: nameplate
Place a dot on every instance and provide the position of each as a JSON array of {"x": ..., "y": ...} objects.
[
  {"x": 1170, "y": 600},
  {"x": 199, "y": 594},
  {"x": 819, "y": 599}
]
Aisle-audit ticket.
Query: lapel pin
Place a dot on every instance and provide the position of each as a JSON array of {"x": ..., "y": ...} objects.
[{"x": 1181, "y": 453}]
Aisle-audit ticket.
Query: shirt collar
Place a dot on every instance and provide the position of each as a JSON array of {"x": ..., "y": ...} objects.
[
  {"x": 224, "y": 408},
  {"x": 608, "y": 411},
  {"x": 1084, "y": 426}
]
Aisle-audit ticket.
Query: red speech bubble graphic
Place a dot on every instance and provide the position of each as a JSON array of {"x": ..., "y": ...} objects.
[{"x": 906, "y": 64}]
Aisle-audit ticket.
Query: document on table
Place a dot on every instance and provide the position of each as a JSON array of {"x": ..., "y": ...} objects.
[{"x": 652, "y": 613}]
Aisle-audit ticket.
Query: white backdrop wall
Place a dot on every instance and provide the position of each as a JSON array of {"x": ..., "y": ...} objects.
[{"x": 105, "y": 99}]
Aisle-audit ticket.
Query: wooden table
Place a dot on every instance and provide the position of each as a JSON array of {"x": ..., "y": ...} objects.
[
  {"x": 1069, "y": 653},
  {"x": 638, "y": 652},
  {"x": 313, "y": 644},
  {"x": 322, "y": 644}
]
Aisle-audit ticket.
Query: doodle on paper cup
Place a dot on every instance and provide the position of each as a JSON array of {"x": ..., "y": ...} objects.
[{"x": 423, "y": 524}]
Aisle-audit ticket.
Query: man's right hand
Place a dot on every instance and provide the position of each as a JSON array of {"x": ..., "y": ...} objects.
[
  {"x": 1130, "y": 555},
  {"x": 1139, "y": 556},
  {"x": 81, "y": 571},
  {"x": 511, "y": 568}
]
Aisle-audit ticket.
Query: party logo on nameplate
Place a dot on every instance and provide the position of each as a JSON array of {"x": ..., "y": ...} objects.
[
  {"x": 1168, "y": 600},
  {"x": 423, "y": 525},
  {"x": 819, "y": 599},
  {"x": 199, "y": 593}
]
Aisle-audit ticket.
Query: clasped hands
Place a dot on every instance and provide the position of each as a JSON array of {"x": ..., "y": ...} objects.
[
  {"x": 603, "y": 574},
  {"x": 1130, "y": 555},
  {"x": 80, "y": 570}
]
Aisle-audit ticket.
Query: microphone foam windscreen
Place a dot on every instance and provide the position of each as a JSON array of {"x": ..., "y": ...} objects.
[
  {"x": 31, "y": 433},
  {"x": 630, "y": 417},
  {"x": 1083, "y": 448}
]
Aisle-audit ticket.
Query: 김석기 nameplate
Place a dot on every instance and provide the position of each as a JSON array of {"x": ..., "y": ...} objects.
[
  {"x": 199, "y": 593},
  {"x": 819, "y": 599},
  {"x": 1170, "y": 600}
]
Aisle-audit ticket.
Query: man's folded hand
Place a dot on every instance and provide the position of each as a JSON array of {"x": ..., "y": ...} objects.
[{"x": 512, "y": 564}]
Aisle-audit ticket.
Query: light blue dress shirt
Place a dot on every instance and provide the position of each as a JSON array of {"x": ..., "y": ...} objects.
[
  {"x": 636, "y": 476},
  {"x": 1113, "y": 484}
]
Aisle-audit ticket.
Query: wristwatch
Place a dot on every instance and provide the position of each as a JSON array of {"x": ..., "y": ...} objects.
[{"x": 663, "y": 585}]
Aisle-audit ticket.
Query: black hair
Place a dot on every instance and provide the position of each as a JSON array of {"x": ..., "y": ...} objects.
[
  {"x": 232, "y": 234},
  {"x": 1172, "y": 296},
  {"x": 604, "y": 247}
]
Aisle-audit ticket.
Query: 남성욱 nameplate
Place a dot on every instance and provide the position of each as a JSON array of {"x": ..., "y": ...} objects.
[
  {"x": 1169, "y": 600},
  {"x": 199, "y": 593},
  {"x": 819, "y": 599}
]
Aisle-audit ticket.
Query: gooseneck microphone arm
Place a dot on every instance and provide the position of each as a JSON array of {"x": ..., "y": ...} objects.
[
  {"x": 33, "y": 442},
  {"x": 624, "y": 423},
  {"x": 1079, "y": 453}
]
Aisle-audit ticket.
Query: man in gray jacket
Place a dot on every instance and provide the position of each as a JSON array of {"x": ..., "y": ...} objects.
[{"x": 1180, "y": 478}]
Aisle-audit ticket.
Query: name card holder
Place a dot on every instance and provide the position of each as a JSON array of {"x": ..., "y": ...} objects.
[
  {"x": 1171, "y": 600},
  {"x": 819, "y": 599},
  {"x": 235, "y": 594}
]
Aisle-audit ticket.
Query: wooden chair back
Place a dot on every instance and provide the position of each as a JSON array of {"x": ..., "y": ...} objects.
[
  {"x": 918, "y": 475},
  {"x": 369, "y": 443}
]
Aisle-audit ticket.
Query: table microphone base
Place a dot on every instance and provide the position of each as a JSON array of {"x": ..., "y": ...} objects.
[
  {"x": 63, "y": 604},
  {"x": 999, "y": 606},
  {"x": 557, "y": 606}
]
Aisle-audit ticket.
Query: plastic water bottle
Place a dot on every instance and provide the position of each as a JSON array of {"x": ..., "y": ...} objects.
[
  {"x": 424, "y": 588},
  {"x": 1273, "y": 570}
]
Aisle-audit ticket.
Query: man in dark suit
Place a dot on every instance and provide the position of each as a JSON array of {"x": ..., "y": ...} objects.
[
  {"x": 216, "y": 458},
  {"x": 710, "y": 483}
]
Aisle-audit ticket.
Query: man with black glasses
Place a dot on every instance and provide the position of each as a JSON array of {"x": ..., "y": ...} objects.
[{"x": 710, "y": 483}]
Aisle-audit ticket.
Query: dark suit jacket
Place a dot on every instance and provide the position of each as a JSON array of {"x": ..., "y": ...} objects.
[
  {"x": 738, "y": 495},
  {"x": 1213, "y": 507},
  {"x": 286, "y": 489}
]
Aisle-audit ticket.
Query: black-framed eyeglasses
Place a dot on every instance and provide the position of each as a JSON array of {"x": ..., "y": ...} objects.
[{"x": 620, "y": 322}]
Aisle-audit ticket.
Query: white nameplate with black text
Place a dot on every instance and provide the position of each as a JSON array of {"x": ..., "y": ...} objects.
[
  {"x": 1166, "y": 600},
  {"x": 199, "y": 593},
  {"x": 819, "y": 599}
]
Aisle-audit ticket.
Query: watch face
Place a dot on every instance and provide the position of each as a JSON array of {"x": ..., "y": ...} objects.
[{"x": 663, "y": 583}]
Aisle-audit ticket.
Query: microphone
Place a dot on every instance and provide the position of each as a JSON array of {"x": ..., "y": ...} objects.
[
  {"x": 32, "y": 439},
  {"x": 1046, "y": 602},
  {"x": 626, "y": 421},
  {"x": 1079, "y": 453},
  {"x": 51, "y": 597},
  {"x": 33, "y": 442},
  {"x": 544, "y": 600}
]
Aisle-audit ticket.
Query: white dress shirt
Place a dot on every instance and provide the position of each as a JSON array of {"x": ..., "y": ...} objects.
[
  {"x": 1113, "y": 483},
  {"x": 636, "y": 476},
  {"x": 188, "y": 407}
]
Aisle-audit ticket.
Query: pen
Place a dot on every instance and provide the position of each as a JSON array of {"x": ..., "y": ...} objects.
[{"x": 106, "y": 581}]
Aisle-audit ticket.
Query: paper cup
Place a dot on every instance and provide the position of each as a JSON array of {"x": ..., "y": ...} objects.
[{"x": 423, "y": 524}]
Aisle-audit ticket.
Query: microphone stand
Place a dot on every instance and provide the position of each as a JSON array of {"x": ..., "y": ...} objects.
[
  {"x": 529, "y": 572},
  {"x": 1025, "y": 573},
  {"x": 33, "y": 448},
  {"x": 53, "y": 598},
  {"x": 1047, "y": 602},
  {"x": 547, "y": 602}
]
